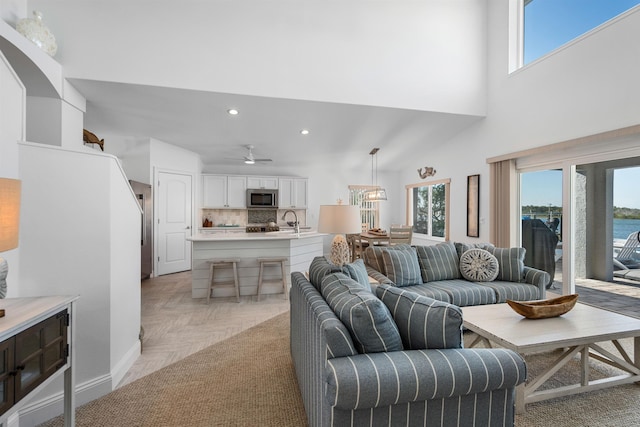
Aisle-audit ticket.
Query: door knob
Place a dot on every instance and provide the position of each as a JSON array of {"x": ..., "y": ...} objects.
[{"x": 188, "y": 227}]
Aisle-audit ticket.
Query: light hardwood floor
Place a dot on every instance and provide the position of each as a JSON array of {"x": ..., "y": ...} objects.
[{"x": 176, "y": 325}]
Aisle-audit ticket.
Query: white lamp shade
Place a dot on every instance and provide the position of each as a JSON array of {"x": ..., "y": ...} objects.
[
  {"x": 9, "y": 213},
  {"x": 339, "y": 219}
]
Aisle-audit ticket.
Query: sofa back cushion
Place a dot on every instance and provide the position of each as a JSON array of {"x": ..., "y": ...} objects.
[
  {"x": 423, "y": 322},
  {"x": 438, "y": 262},
  {"x": 402, "y": 266},
  {"x": 320, "y": 267},
  {"x": 366, "y": 317},
  {"x": 510, "y": 263},
  {"x": 372, "y": 256},
  {"x": 463, "y": 247}
]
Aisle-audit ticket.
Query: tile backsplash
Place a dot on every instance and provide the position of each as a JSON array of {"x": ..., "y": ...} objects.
[{"x": 243, "y": 217}]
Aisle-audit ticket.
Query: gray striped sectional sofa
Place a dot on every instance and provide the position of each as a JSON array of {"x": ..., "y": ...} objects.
[
  {"x": 393, "y": 358},
  {"x": 434, "y": 271}
]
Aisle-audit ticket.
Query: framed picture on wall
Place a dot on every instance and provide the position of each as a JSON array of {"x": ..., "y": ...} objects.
[{"x": 473, "y": 211}]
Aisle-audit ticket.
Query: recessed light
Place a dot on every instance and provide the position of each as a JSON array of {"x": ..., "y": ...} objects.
[
  {"x": 304, "y": 131},
  {"x": 233, "y": 112}
]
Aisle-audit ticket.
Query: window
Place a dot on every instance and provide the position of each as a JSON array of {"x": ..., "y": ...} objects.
[
  {"x": 368, "y": 210},
  {"x": 549, "y": 24},
  {"x": 429, "y": 204}
]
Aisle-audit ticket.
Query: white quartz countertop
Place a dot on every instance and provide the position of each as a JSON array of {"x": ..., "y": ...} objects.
[{"x": 273, "y": 235}]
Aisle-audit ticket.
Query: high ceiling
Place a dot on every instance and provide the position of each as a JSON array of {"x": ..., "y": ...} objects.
[{"x": 340, "y": 135}]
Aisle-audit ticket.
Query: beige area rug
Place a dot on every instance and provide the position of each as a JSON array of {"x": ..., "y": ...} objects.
[
  {"x": 246, "y": 380},
  {"x": 615, "y": 406},
  {"x": 249, "y": 380}
]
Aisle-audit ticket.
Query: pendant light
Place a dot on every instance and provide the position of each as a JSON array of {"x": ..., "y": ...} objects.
[{"x": 376, "y": 193}]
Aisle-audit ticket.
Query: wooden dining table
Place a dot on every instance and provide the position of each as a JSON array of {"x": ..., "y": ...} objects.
[{"x": 374, "y": 238}]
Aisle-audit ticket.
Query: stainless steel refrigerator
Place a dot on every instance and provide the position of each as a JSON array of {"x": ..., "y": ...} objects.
[{"x": 143, "y": 193}]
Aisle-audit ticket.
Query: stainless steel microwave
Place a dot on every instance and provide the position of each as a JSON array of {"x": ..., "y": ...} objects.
[{"x": 261, "y": 198}]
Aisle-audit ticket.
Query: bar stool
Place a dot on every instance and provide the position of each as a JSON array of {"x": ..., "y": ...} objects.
[
  {"x": 283, "y": 276},
  {"x": 219, "y": 264}
]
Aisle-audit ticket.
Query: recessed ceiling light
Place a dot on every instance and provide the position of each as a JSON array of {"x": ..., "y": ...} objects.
[
  {"x": 304, "y": 131},
  {"x": 233, "y": 112}
]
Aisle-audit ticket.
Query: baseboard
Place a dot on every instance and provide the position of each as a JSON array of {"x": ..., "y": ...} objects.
[
  {"x": 120, "y": 370},
  {"x": 37, "y": 412}
]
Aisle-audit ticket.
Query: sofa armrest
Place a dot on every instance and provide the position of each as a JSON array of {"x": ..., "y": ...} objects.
[
  {"x": 380, "y": 379},
  {"x": 537, "y": 278},
  {"x": 380, "y": 278}
]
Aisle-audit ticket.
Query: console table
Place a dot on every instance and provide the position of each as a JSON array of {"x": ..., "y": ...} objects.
[{"x": 36, "y": 346}]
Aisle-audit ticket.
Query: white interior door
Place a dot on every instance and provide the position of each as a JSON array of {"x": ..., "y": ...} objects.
[{"x": 174, "y": 192}]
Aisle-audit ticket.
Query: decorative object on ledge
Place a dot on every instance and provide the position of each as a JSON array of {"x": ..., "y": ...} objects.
[
  {"x": 340, "y": 220},
  {"x": 428, "y": 171},
  {"x": 91, "y": 138},
  {"x": 473, "y": 208},
  {"x": 376, "y": 193},
  {"x": 543, "y": 309},
  {"x": 9, "y": 224},
  {"x": 38, "y": 33}
]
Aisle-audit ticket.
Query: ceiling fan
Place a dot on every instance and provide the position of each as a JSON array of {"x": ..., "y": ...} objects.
[{"x": 250, "y": 160}]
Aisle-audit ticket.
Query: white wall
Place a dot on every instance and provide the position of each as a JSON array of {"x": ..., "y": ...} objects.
[
  {"x": 424, "y": 55},
  {"x": 586, "y": 88},
  {"x": 81, "y": 237}
]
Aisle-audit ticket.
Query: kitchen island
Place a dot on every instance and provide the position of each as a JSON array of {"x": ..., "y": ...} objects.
[{"x": 298, "y": 249}]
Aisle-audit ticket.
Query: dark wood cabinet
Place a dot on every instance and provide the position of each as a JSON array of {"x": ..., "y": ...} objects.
[{"x": 31, "y": 356}]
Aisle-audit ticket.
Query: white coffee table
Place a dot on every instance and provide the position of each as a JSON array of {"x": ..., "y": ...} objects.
[{"x": 578, "y": 331}]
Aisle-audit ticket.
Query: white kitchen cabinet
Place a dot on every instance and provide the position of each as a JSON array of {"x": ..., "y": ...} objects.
[
  {"x": 224, "y": 191},
  {"x": 292, "y": 193},
  {"x": 266, "y": 182}
]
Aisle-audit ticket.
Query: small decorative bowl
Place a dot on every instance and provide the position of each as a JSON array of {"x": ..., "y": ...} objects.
[{"x": 542, "y": 309}]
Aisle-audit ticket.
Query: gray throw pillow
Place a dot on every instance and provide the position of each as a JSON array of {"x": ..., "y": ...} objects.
[
  {"x": 366, "y": 317},
  {"x": 320, "y": 267},
  {"x": 372, "y": 256},
  {"x": 423, "y": 322},
  {"x": 510, "y": 263},
  {"x": 463, "y": 247},
  {"x": 478, "y": 265},
  {"x": 358, "y": 272},
  {"x": 438, "y": 262},
  {"x": 402, "y": 267}
]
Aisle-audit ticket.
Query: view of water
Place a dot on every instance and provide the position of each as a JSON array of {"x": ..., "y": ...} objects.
[{"x": 623, "y": 227}]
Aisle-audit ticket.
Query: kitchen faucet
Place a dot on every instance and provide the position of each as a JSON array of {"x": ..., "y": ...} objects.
[{"x": 296, "y": 224}]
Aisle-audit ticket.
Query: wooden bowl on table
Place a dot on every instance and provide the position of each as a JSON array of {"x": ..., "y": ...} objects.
[{"x": 542, "y": 309}]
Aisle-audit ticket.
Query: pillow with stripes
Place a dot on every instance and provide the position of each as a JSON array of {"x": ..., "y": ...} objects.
[
  {"x": 423, "y": 322},
  {"x": 372, "y": 256},
  {"x": 439, "y": 262},
  {"x": 402, "y": 267},
  {"x": 367, "y": 319},
  {"x": 510, "y": 263},
  {"x": 320, "y": 267},
  {"x": 358, "y": 272}
]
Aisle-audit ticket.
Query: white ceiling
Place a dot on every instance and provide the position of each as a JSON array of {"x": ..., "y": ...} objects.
[{"x": 341, "y": 135}]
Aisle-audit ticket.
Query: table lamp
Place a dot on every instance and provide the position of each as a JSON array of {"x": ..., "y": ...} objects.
[
  {"x": 9, "y": 224},
  {"x": 339, "y": 220}
]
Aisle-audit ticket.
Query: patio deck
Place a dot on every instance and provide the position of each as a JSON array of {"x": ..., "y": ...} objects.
[{"x": 621, "y": 296}]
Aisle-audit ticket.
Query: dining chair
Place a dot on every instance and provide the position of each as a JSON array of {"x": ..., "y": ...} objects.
[{"x": 400, "y": 234}]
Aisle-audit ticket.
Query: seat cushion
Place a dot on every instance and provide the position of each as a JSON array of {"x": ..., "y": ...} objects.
[
  {"x": 464, "y": 293},
  {"x": 367, "y": 318},
  {"x": 478, "y": 265},
  {"x": 512, "y": 290},
  {"x": 510, "y": 263},
  {"x": 402, "y": 266},
  {"x": 427, "y": 290},
  {"x": 438, "y": 262},
  {"x": 423, "y": 322}
]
